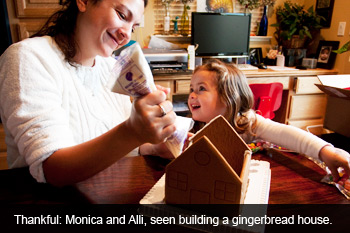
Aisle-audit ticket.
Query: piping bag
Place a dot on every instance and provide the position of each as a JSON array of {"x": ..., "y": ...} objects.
[{"x": 132, "y": 76}]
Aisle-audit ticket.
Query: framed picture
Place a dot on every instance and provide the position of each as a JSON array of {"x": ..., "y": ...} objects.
[
  {"x": 255, "y": 56},
  {"x": 325, "y": 8},
  {"x": 325, "y": 56},
  {"x": 217, "y": 7}
]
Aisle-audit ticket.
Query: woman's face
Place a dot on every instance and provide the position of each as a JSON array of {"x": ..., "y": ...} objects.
[
  {"x": 105, "y": 26},
  {"x": 204, "y": 101}
]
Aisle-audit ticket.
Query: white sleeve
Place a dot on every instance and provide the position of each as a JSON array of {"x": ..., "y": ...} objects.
[
  {"x": 289, "y": 137},
  {"x": 31, "y": 99}
]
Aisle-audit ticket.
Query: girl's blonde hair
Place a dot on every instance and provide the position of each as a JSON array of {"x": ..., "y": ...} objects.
[{"x": 235, "y": 93}]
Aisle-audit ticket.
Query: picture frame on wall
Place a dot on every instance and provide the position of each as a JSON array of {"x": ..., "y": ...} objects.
[
  {"x": 255, "y": 56},
  {"x": 325, "y": 55},
  {"x": 324, "y": 8},
  {"x": 217, "y": 7}
]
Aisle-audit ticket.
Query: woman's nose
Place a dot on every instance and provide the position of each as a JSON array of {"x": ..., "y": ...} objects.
[{"x": 125, "y": 33}]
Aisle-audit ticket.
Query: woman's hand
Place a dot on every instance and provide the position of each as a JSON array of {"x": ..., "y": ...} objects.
[
  {"x": 147, "y": 121},
  {"x": 335, "y": 158},
  {"x": 159, "y": 149}
]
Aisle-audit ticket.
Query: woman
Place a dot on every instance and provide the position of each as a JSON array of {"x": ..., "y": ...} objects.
[{"x": 59, "y": 118}]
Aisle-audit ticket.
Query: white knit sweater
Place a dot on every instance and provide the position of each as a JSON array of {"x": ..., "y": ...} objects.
[{"x": 47, "y": 104}]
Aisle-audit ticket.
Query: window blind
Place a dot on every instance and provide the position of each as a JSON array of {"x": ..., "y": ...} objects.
[{"x": 176, "y": 9}]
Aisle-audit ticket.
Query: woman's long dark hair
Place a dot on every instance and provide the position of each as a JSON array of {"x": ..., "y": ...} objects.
[{"x": 61, "y": 26}]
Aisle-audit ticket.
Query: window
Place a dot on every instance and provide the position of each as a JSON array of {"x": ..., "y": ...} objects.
[
  {"x": 177, "y": 180},
  {"x": 225, "y": 191},
  {"x": 176, "y": 9}
]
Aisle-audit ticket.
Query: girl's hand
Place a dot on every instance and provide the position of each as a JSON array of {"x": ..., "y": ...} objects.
[
  {"x": 147, "y": 121},
  {"x": 187, "y": 141},
  {"x": 335, "y": 158}
]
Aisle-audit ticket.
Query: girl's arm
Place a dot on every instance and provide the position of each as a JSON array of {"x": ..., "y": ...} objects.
[{"x": 303, "y": 142}]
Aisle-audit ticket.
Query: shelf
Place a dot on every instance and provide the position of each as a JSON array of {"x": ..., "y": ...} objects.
[
  {"x": 174, "y": 38},
  {"x": 187, "y": 39},
  {"x": 260, "y": 39}
]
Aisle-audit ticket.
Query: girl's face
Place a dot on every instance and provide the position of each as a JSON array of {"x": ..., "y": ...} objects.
[
  {"x": 204, "y": 101},
  {"x": 105, "y": 26}
]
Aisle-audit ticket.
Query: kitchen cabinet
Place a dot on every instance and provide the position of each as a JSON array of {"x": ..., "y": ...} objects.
[
  {"x": 308, "y": 103},
  {"x": 28, "y": 16}
]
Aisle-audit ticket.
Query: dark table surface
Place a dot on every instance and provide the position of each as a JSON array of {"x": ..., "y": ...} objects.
[{"x": 294, "y": 180}]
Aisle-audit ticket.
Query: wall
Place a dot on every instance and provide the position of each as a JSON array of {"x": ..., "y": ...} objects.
[
  {"x": 340, "y": 14},
  {"x": 142, "y": 35}
]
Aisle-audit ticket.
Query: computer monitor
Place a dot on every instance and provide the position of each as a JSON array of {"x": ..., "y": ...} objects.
[{"x": 221, "y": 34}]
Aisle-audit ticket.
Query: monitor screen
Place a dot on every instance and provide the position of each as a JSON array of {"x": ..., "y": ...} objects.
[{"x": 221, "y": 34}]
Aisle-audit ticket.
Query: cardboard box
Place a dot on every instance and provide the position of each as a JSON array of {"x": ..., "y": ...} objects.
[{"x": 337, "y": 88}]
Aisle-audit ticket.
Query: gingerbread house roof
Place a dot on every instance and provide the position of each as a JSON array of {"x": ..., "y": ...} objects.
[{"x": 220, "y": 132}]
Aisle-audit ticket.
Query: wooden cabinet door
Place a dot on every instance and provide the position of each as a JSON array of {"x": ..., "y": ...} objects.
[
  {"x": 168, "y": 84},
  {"x": 308, "y": 107},
  {"x": 306, "y": 85},
  {"x": 182, "y": 87},
  {"x": 26, "y": 29},
  {"x": 36, "y": 8}
]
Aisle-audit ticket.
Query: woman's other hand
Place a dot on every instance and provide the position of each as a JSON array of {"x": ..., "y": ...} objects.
[{"x": 159, "y": 149}]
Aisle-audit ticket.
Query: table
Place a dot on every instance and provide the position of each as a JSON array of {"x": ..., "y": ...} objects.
[{"x": 294, "y": 180}]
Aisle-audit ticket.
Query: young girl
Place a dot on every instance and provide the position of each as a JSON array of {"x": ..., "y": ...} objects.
[{"x": 218, "y": 88}]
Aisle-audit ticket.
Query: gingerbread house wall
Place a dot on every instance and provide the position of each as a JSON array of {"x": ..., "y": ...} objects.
[{"x": 202, "y": 175}]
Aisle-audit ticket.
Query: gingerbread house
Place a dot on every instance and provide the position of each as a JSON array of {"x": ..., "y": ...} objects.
[{"x": 214, "y": 169}]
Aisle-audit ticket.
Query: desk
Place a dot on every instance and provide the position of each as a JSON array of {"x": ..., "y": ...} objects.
[
  {"x": 294, "y": 180},
  {"x": 303, "y": 104}
]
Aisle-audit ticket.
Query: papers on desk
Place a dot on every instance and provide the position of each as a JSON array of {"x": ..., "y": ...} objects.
[
  {"x": 280, "y": 68},
  {"x": 339, "y": 81},
  {"x": 257, "y": 193}
]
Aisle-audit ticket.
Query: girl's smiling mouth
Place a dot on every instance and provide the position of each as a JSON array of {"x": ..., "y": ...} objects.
[{"x": 194, "y": 106}]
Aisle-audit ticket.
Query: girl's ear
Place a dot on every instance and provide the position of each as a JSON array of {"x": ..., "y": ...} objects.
[{"x": 82, "y": 4}]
